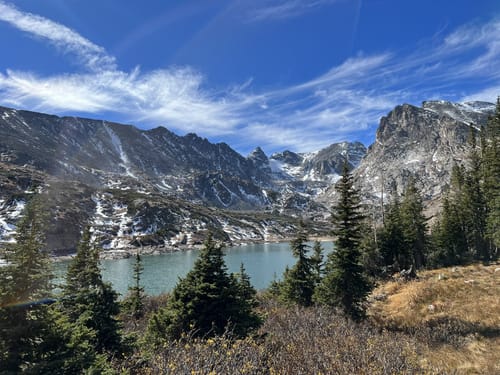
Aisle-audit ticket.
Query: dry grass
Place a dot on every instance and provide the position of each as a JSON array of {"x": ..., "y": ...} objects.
[
  {"x": 291, "y": 341},
  {"x": 454, "y": 312}
]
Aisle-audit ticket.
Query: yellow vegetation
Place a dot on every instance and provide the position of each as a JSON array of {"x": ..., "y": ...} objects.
[{"x": 454, "y": 312}]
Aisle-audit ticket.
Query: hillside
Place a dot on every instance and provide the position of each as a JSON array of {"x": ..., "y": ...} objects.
[{"x": 452, "y": 312}]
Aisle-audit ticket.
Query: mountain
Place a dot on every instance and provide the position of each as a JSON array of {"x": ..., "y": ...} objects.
[
  {"x": 152, "y": 185},
  {"x": 157, "y": 190},
  {"x": 420, "y": 142}
]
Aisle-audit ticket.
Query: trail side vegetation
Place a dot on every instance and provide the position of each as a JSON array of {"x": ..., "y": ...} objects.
[{"x": 402, "y": 297}]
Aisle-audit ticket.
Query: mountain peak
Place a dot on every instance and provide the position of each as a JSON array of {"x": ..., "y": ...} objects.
[{"x": 257, "y": 154}]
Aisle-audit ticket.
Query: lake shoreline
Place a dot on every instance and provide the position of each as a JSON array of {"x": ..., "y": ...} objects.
[{"x": 125, "y": 253}]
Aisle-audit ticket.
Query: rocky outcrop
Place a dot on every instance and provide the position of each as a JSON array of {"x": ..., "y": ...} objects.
[
  {"x": 148, "y": 187},
  {"x": 419, "y": 142}
]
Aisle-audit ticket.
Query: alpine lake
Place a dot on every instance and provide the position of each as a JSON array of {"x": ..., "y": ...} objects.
[{"x": 264, "y": 262}]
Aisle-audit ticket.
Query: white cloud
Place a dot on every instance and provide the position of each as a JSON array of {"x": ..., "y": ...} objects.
[
  {"x": 282, "y": 9},
  {"x": 91, "y": 55},
  {"x": 340, "y": 104},
  {"x": 489, "y": 94}
]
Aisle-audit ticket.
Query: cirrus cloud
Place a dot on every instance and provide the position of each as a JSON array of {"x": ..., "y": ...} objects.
[{"x": 346, "y": 102}]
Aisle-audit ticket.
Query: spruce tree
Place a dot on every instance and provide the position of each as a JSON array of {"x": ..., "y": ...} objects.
[
  {"x": 345, "y": 284},
  {"x": 449, "y": 239},
  {"x": 207, "y": 302},
  {"x": 134, "y": 301},
  {"x": 475, "y": 203},
  {"x": 90, "y": 302},
  {"x": 414, "y": 225},
  {"x": 491, "y": 170},
  {"x": 396, "y": 255},
  {"x": 299, "y": 281},
  {"x": 246, "y": 304},
  {"x": 317, "y": 262},
  {"x": 25, "y": 291}
]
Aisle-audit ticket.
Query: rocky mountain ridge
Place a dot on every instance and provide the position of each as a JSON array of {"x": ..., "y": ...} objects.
[
  {"x": 88, "y": 168},
  {"x": 157, "y": 190},
  {"x": 422, "y": 143}
]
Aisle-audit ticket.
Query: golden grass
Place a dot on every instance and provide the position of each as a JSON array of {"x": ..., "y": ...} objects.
[{"x": 454, "y": 312}]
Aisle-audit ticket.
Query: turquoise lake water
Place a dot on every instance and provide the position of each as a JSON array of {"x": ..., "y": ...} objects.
[{"x": 263, "y": 263}]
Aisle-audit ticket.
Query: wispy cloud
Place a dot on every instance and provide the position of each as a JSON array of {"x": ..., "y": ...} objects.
[
  {"x": 282, "y": 9},
  {"x": 92, "y": 56},
  {"x": 346, "y": 102}
]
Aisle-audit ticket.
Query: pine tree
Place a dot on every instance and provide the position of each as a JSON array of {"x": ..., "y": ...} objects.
[
  {"x": 317, "y": 262},
  {"x": 491, "y": 168},
  {"x": 414, "y": 225},
  {"x": 371, "y": 258},
  {"x": 89, "y": 302},
  {"x": 474, "y": 203},
  {"x": 449, "y": 239},
  {"x": 246, "y": 304},
  {"x": 396, "y": 255},
  {"x": 344, "y": 284},
  {"x": 299, "y": 282},
  {"x": 206, "y": 302},
  {"x": 134, "y": 302},
  {"x": 27, "y": 340}
]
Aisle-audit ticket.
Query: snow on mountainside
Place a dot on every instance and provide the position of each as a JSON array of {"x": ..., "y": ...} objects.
[
  {"x": 153, "y": 189},
  {"x": 90, "y": 168},
  {"x": 420, "y": 142}
]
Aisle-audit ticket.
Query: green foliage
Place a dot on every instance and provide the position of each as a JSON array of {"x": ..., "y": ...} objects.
[
  {"x": 89, "y": 303},
  {"x": 396, "y": 255},
  {"x": 414, "y": 226},
  {"x": 345, "y": 284},
  {"x": 133, "y": 304},
  {"x": 208, "y": 301},
  {"x": 491, "y": 170},
  {"x": 24, "y": 283},
  {"x": 474, "y": 203},
  {"x": 371, "y": 258},
  {"x": 299, "y": 281},
  {"x": 317, "y": 266},
  {"x": 449, "y": 238}
]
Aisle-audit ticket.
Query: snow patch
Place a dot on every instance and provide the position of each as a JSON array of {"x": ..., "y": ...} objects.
[
  {"x": 117, "y": 144},
  {"x": 9, "y": 214}
]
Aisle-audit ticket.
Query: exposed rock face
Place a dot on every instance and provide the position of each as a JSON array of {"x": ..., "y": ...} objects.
[
  {"x": 155, "y": 188},
  {"x": 89, "y": 168},
  {"x": 420, "y": 142}
]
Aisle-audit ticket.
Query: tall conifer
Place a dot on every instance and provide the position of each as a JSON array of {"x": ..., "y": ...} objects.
[
  {"x": 299, "y": 282},
  {"x": 90, "y": 302},
  {"x": 25, "y": 291},
  {"x": 206, "y": 302},
  {"x": 345, "y": 284}
]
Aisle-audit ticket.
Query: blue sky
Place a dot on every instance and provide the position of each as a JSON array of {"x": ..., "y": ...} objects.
[{"x": 278, "y": 74}]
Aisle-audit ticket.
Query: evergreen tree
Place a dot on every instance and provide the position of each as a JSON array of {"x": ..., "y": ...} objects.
[
  {"x": 414, "y": 225},
  {"x": 134, "y": 302},
  {"x": 89, "y": 302},
  {"x": 449, "y": 239},
  {"x": 474, "y": 203},
  {"x": 246, "y": 304},
  {"x": 344, "y": 284},
  {"x": 371, "y": 258},
  {"x": 206, "y": 302},
  {"x": 491, "y": 168},
  {"x": 25, "y": 292},
  {"x": 317, "y": 262},
  {"x": 299, "y": 282},
  {"x": 396, "y": 255}
]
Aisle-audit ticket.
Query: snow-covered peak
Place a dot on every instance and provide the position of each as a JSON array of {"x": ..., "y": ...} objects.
[{"x": 467, "y": 112}]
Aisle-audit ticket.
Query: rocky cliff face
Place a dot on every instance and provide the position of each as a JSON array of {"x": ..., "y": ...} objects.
[
  {"x": 89, "y": 168},
  {"x": 148, "y": 188},
  {"x": 420, "y": 142}
]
